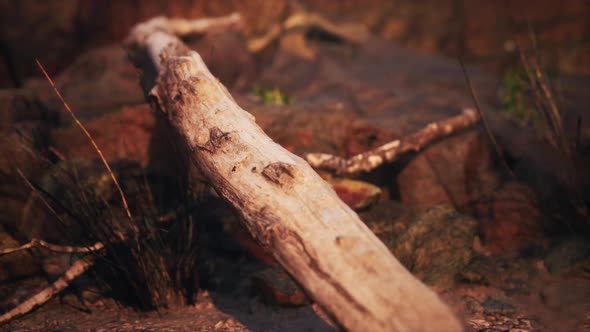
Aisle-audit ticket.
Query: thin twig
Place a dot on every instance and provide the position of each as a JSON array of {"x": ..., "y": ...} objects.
[
  {"x": 104, "y": 161},
  {"x": 390, "y": 152},
  {"x": 53, "y": 247},
  {"x": 553, "y": 110}
]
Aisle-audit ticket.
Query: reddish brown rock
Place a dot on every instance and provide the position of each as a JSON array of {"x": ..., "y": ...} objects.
[
  {"x": 22, "y": 149},
  {"x": 241, "y": 235},
  {"x": 388, "y": 220},
  {"x": 356, "y": 194},
  {"x": 227, "y": 57},
  {"x": 19, "y": 105},
  {"x": 458, "y": 170},
  {"x": 122, "y": 135},
  {"x": 17, "y": 265},
  {"x": 99, "y": 81},
  {"x": 276, "y": 287},
  {"x": 513, "y": 221},
  {"x": 437, "y": 246}
]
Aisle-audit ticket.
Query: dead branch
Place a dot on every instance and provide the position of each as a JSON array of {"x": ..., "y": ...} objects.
[
  {"x": 53, "y": 247},
  {"x": 78, "y": 268},
  {"x": 283, "y": 202},
  {"x": 182, "y": 27},
  {"x": 391, "y": 151},
  {"x": 352, "y": 32}
]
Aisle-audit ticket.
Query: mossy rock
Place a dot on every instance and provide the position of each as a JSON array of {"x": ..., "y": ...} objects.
[{"x": 437, "y": 245}]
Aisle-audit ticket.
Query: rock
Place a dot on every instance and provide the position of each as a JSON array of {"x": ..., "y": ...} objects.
[
  {"x": 99, "y": 81},
  {"x": 19, "y": 105},
  {"x": 567, "y": 254},
  {"x": 437, "y": 245},
  {"x": 276, "y": 287},
  {"x": 14, "y": 293},
  {"x": 121, "y": 135},
  {"x": 240, "y": 234},
  {"x": 17, "y": 265},
  {"x": 23, "y": 148},
  {"x": 387, "y": 220},
  {"x": 478, "y": 270},
  {"x": 221, "y": 231},
  {"x": 356, "y": 194},
  {"x": 227, "y": 57},
  {"x": 494, "y": 305},
  {"x": 512, "y": 222},
  {"x": 458, "y": 170},
  {"x": 77, "y": 191}
]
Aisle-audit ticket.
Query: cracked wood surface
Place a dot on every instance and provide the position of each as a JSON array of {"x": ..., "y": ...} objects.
[{"x": 283, "y": 202}]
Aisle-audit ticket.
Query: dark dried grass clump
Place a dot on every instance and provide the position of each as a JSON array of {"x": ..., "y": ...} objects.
[
  {"x": 149, "y": 260},
  {"x": 564, "y": 138}
]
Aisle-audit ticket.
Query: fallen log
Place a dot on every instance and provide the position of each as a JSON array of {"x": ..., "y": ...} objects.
[{"x": 283, "y": 202}]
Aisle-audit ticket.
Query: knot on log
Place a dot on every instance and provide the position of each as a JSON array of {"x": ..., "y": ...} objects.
[
  {"x": 216, "y": 139},
  {"x": 280, "y": 173}
]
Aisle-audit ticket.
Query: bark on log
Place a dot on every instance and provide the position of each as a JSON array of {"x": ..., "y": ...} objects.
[{"x": 284, "y": 203}]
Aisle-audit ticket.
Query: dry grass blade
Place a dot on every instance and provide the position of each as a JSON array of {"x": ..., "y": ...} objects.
[
  {"x": 546, "y": 104},
  {"x": 104, "y": 161},
  {"x": 41, "y": 197},
  {"x": 483, "y": 119}
]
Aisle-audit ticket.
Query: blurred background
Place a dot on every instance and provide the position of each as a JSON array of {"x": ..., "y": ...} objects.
[
  {"x": 495, "y": 218},
  {"x": 479, "y": 31}
]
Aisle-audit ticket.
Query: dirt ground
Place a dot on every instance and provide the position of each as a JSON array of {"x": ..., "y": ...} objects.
[{"x": 561, "y": 305}]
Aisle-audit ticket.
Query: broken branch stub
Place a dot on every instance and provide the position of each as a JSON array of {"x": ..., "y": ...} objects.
[{"x": 284, "y": 203}]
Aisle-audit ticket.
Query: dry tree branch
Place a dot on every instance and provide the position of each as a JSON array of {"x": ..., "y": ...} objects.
[
  {"x": 367, "y": 161},
  {"x": 78, "y": 268},
  {"x": 352, "y": 32},
  {"x": 183, "y": 27},
  {"x": 53, "y": 247}
]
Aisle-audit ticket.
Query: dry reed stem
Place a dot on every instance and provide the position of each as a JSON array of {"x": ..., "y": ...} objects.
[
  {"x": 484, "y": 120},
  {"x": 78, "y": 268},
  {"x": 104, "y": 161}
]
